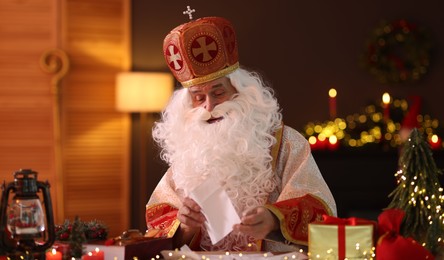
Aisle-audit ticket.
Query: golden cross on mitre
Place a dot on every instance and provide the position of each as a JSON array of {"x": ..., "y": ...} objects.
[{"x": 189, "y": 12}]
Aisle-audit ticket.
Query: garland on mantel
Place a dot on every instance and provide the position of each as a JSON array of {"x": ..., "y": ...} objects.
[{"x": 92, "y": 230}]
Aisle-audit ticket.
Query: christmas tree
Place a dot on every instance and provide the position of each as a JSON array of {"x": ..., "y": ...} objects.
[{"x": 419, "y": 194}]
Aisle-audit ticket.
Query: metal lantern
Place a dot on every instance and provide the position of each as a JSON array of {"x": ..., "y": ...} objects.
[{"x": 25, "y": 229}]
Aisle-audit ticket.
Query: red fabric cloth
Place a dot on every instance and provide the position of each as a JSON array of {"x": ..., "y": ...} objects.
[
  {"x": 161, "y": 220},
  {"x": 393, "y": 246},
  {"x": 295, "y": 215}
]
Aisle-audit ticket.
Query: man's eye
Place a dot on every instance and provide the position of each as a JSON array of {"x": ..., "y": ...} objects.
[
  {"x": 218, "y": 94},
  {"x": 199, "y": 98}
]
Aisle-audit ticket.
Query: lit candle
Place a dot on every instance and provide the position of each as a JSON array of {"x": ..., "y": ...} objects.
[
  {"x": 99, "y": 253},
  {"x": 90, "y": 256},
  {"x": 62, "y": 248},
  {"x": 313, "y": 141},
  {"x": 332, "y": 103},
  {"x": 333, "y": 143},
  {"x": 386, "y": 105},
  {"x": 322, "y": 141},
  {"x": 435, "y": 142},
  {"x": 53, "y": 255}
]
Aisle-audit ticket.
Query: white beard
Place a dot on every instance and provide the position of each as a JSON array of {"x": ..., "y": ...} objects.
[{"x": 229, "y": 150}]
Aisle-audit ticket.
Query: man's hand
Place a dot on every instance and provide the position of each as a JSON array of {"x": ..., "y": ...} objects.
[
  {"x": 258, "y": 223},
  {"x": 190, "y": 214},
  {"x": 191, "y": 220}
]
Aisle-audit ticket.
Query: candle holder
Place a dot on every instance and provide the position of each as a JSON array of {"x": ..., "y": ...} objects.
[{"x": 25, "y": 230}]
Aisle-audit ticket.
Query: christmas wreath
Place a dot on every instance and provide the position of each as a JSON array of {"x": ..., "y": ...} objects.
[{"x": 398, "y": 52}]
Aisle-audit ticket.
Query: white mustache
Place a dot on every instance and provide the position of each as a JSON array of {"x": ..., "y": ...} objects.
[{"x": 201, "y": 114}]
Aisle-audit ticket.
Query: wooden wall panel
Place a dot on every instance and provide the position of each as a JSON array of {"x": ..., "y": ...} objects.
[
  {"x": 27, "y": 29},
  {"x": 95, "y": 135},
  {"x": 89, "y": 174}
]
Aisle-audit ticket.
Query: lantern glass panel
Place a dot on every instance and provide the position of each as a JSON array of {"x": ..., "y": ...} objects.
[{"x": 26, "y": 218}]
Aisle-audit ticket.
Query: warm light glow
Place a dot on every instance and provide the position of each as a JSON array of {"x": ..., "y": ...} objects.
[
  {"x": 312, "y": 140},
  {"x": 53, "y": 251},
  {"x": 143, "y": 91},
  {"x": 332, "y": 93},
  {"x": 434, "y": 139},
  {"x": 386, "y": 98},
  {"x": 333, "y": 139}
]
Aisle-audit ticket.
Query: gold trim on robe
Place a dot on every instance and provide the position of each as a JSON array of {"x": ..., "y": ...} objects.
[
  {"x": 161, "y": 220},
  {"x": 295, "y": 214}
]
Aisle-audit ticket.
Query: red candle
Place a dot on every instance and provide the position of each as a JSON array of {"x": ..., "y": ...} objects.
[
  {"x": 53, "y": 255},
  {"x": 435, "y": 142},
  {"x": 62, "y": 248},
  {"x": 90, "y": 256},
  {"x": 386, "y": 105},
  {"x": 332, "y": 103},
  {"x": 99, "y": 253},
  {"x": 333, "y": 143},
  {"x": 322, "y": 142},
  {"x": 313, "y": 141}
]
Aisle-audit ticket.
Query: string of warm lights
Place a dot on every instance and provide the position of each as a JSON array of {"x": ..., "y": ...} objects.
[
  {"x": 419, "y": 194},
  {"x": 332, "y": 254},
  {"x": 377, "y": 124},
  {"x": 229, "y": 255},
  {"x": 329, "y": 254},
  {"x": 420, "y": 197}
]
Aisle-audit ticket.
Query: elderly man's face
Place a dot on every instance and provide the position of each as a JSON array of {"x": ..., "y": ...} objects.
[{"x": 210, "y": 94}]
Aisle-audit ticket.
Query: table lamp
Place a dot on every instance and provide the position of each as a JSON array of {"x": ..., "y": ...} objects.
[
  {"x": 25, "y": 230},
  {"x": 143, "y": 93}
]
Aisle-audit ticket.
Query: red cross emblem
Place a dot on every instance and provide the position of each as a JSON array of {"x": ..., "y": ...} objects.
[
  {"x": 204, "y": 49},
  {"x": 174, "y": 58}
]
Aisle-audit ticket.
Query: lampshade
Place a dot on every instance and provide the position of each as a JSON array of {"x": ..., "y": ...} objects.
[{"x": 143, "y": 91}]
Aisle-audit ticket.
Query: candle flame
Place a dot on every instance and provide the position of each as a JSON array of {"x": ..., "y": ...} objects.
[
  {"x": 386, "y": 98},
  {"x": 332, "y": 93},
  {"x": 333, "y": 139},
  {"x": 434, "y": 139},
  {"x": 53, "y": 251},
  {"x": 312, "y": 140}
]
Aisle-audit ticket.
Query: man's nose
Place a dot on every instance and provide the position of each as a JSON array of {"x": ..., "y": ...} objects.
[{"x": 209, "y": 104}]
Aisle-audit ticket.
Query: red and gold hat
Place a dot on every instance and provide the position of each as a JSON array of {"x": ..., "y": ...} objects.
[{"x": 201, "y": 50}]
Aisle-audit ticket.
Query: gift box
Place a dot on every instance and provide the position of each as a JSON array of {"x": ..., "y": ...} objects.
[
  {"x": 146, "y": 248},
  {"x": 336, "y": 238}
]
